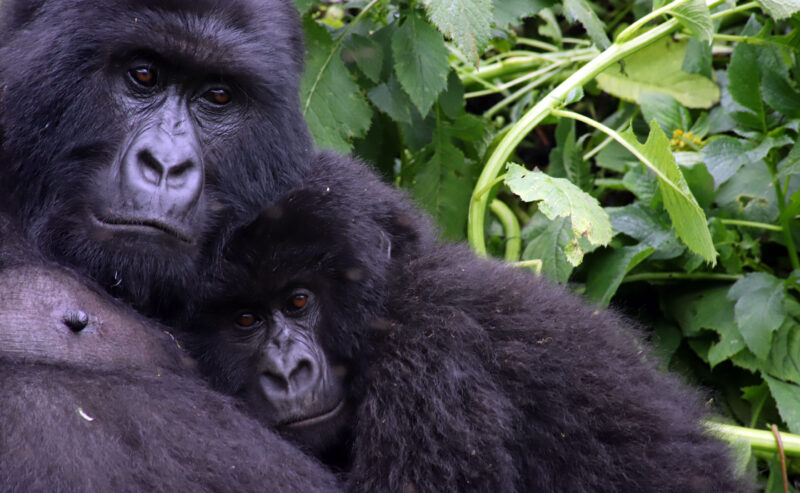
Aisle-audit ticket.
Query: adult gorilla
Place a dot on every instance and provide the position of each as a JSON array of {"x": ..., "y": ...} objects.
[
  {"x": 135, "y": 131},
  {"x": 130, "y": 130},
  {"x": 418, "y": 367}
]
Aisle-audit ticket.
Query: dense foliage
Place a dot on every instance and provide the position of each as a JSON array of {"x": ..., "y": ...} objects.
[{"x": 645, "y": 153}]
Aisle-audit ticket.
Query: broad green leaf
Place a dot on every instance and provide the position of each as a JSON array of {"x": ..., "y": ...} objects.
[
  {"x": 787, "y": 397},
  {"x": 759, "y": 310},
  {"x": 366, "y": 53},
  {"x": 452, "y": 99},
  {"x": 420, "y": 61},
  {"x": 749, "y": 194},
  {"x": 608, "y": 268},
  {"x": 744, "y": 83},
  {"x": 725, "y": 155},
  {"x": 782, "y": 362},
  {"x": 658, "y": 69},
  {"x": 647, "y": 226},
  {"x": 708, "y": 309},
  {"x": 615, "y": 157},
  {"x": 558, "y": 197},
  {"x": 467, "y": 22},
  {"x": 549, "y": 241},
  {"x": 790, "y": 165},
  {"x": 695, "y": 16},
  {"x": 581, "y": 11},
  {"x": 666, "y": 110},
  {"x": 780, "y": 9},
  {"x": 303, "y": 5},
  {"x": 566, "y": 159},
  {"x": 444, "y": 178},
  {"x": 390, "y": 99},
  {"x": 512, "y": 11},
  {"x": 687, "y": 217},
  {"x": 334, "y": 107},
  {"x": 698, "y": 59}
]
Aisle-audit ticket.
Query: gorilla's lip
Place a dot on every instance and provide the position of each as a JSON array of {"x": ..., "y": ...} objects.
[
  {"x": 140, "y": 224},
  {"x": 319, "y": 418}
]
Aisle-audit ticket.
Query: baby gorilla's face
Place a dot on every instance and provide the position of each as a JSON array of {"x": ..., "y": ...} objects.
[{"x": 272, "y": 348}]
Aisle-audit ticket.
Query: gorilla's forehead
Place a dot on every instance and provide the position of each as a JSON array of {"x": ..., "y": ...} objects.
[{"x": 234, "y": 37}]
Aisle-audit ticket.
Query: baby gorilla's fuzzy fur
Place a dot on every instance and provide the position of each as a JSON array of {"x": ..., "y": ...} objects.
[{"x": 464, "y": 374}]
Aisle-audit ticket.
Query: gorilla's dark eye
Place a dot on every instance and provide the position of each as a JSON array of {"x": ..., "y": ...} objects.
[
  {"x": 248, "y": 320},
  {"x": 296, "y": 302},
  {"x": 144, "y": 76},
  {"x": 218, "y": 96}
]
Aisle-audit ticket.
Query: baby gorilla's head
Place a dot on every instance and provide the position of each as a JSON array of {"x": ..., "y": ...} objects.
[{"x": 283, "y": 322}]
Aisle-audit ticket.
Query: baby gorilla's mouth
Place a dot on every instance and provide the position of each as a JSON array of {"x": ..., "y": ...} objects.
[{"x": 319, "y": 418}]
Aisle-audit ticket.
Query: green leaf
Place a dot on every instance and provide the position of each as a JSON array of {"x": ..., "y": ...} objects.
[
  {"x": 787, "y": 397},
  {"x": 366, "y": 53},
  {"x": 658, "y": 69},
  {"x": 581, "y": 11},
  {"x": 390, "y": 99},
  {"x": 687, "y": 217},
  {"x": 467, "y": 22},
  {"x": 708, "y": 309},
  {"x": 303, "y": 5},
  {"x": 444, "y": 177},
  {"x": 666, "y": 110},
  {"x": 744, "y": 83},
  {"x": 759, "y": 309},
  {"x": 749, "y": 194},
  {"x": 695, "y": 16},
  {"x": 420, "y": 61},
  {"x": 549, "y": 242},
  {"x": 608, "y": 268},
  {"x": 780, "y": 9},
  {"x": 648, "y": 227},
  {"x": 334, "y": 107},
  {"x": 558, "y": 197},
  {"x": 512, "y": 11},
  {"x": 725, "y": 155},
  {"x": 566, "y": 159}
]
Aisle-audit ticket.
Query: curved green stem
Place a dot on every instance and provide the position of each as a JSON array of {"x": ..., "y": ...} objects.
[
  {"x": 511, "y": 228},
  {"x": 631, "y": 30},
  {"x": 681, "y": 276},
  {"x": 759, "y": 440},
  {"x": 751, "y": 224},
  {"x": 535, "y": 263}
]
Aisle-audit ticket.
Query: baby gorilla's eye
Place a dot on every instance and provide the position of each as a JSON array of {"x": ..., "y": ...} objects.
[
  {"x": 296, "y": 302},
  {"x": 247, "y": 320},
  {"x": 144, "y": 76},
  {"x": 218, "y": 96}
]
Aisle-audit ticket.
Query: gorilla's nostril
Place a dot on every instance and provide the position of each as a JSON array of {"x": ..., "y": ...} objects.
[
  {"x": 76, "y": 320},
  {"x": 151, "y": 169}
]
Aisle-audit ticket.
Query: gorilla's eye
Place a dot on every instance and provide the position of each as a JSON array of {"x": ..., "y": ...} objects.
[
  {"x": 296, "y": 302},
  {"x": 247, "y": 320},
  {"x": 144, "y": 76},
  {"x": 218, "y": 96}
]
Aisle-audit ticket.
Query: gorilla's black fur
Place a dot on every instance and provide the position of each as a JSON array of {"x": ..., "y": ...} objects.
[
  {"x": 461, "y": 374},
  {"x": 135, "y": 131},
  {"x": 97, "y": 398}
]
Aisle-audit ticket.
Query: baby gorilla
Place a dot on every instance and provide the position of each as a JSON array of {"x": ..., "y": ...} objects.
[
  {"x": 97, "y": 398},
  {"x": 417, "y": 367}
]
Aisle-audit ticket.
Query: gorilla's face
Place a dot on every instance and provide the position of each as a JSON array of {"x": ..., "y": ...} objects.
[{"x": 135, "y": 132}]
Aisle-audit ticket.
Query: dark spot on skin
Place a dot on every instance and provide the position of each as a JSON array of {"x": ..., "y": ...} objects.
[{"x": 76, "y": 320}]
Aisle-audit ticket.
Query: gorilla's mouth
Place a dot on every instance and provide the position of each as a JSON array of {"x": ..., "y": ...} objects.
[
  {"x": 140, "y": 225},
  {"x": 319, "y": 418}
]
